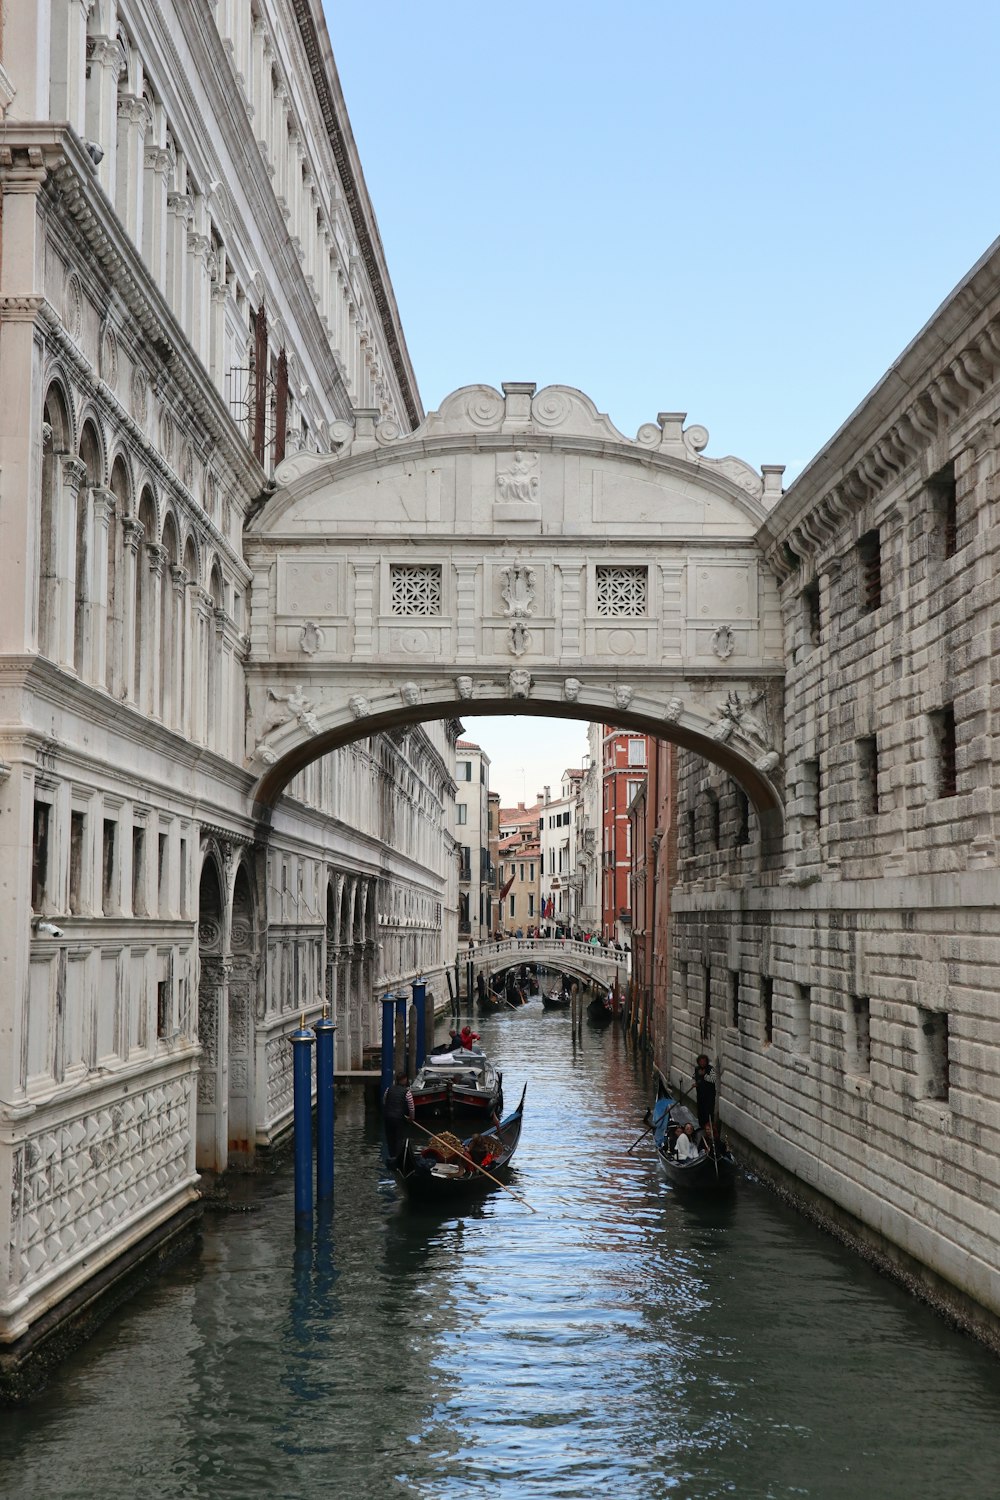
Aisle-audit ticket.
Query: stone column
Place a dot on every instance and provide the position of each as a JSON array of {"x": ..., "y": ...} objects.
[
  {"x": 201, "y": 675},
  {"x": 175, "y": 716},
  {"x": 133, "y": 123},
  {"x": 200, "y": 273},
  {"x": 156, "y": 558},
  {"x": 104, "y": 509},
  {"x": 68, "y": 68},
  {"x": 156, "y": 166},
  {"x": 132, "y": 534},
  {"x": 218, "y": 362},
  {"x": 71, "y": 477},
  {"x": 180, "y": 211},
  {"x": 104, "y": 57}
]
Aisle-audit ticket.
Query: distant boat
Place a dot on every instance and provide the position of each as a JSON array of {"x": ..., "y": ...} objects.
[
  {"x": 601, "y": 1010},
  {"x": 443, "y": 1170},
  {"x": 556, "y": 1000},
  {"x": 712, "y": 1169},
  {"x": 457, "y": 1083}
]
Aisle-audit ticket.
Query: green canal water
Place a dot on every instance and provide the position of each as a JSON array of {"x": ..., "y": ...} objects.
[{"x": 615, "y": 1342}]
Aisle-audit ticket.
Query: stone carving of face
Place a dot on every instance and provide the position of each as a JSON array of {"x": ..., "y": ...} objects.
[
  {"x": 571, "y": 689},
  {"x": 464, "y": 685},
  {"x": 410, "y": 693},
  {"x": 358, "y": 704}
]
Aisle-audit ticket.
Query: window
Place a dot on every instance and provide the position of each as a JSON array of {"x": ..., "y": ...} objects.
[
  {"x": 801, "y": 1018},
  {"x": 742, "y": 837},
  {"x": 706, "y": 1004},
  {"x": 109, "y": 867},
  {"x": 683, "y": 996},
  {"x": 40, "y": 855},
  {"x": 810, "y": 613},
  {"x": 861, "y": 1034},
  {"x": 531, "y": 903},
  {"x": 163, "y": 1008},
  {"x": 714, "y": 822},
  {"x": 637, "y": 752},
  {"x": 632, "y": 788},
  {"x": 162, "y": 870},
  {"x": 692, "y": 830},
  {"x": 932, "y": 1053},
  {"x": 943, "y": 734},
  {"x": 513, "y": 901},
  {"x": 77, "y": 832},
  {"x": 870, "y": 580},
  {"x": 531, "y": 871},
  {"x": 767, "y": 1007},
  {"x": 734, "y": 997},
  {"x": 183, "y": 871},
  {"x": 463, "y": 770},
  {"x": 462, "y": 811},
  {"x": 138, "y": 871},
  {"x": 415, "y": 588},
  {"x": 621, "y": 592},
  {"x": 943, "y": 493},
  {"x": 868, "y": 773},
  {"x": 812, "y": 793}
]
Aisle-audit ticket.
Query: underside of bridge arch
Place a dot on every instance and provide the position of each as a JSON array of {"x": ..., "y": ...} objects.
[{"x": 760, "y": 786}]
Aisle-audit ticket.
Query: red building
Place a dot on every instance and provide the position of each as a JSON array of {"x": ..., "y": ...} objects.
[
  {"x": 623, "y": 770},
  {"x": 654, "y": 859}
]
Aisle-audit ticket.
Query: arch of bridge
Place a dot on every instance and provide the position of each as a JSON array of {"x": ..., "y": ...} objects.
[
  {"x": 585, "y": 961},
  {"x": 515, "y": 554}
]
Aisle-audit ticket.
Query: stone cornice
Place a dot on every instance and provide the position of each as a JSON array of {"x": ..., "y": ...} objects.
[
  {"x": 935, "y": 384},
  {"x": 327, "y": 85}
]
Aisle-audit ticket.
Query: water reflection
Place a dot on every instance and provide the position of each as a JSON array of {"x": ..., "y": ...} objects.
[{"x": 619, "y": 1338}]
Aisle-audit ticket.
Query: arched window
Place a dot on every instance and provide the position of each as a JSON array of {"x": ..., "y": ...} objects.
[
  {"x": 114, "y": 601},
  {"x": 90, "y": 457}
]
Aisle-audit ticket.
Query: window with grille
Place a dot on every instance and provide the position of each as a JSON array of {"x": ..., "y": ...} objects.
[
  {"x": 767, "y": 1007},
  {"x": 870, "y": 559},
  {"x": 861, "y": 1017},
  {"x": 944, "y": 503},
  {"x": 932, "y": 1053},
  {"x": 943, "y": 729},
  {"x": 621, "y": 592},
  {"x": 868, "y": 773},
  {"x": 416, "y": 588},
  {"x": 811, "y": 613}
]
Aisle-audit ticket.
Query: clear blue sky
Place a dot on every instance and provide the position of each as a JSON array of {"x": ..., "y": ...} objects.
[{"x": 742, "y": 211}]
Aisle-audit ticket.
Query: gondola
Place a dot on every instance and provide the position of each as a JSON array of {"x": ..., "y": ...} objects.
[
  {"x": 712, "y": 1170},
  {"x": 438, "y": 1172},
  {"x": 557, "y": 1000},
  {"x": 601, "y": 1011},
  {"x": 457, "y": 1083}
]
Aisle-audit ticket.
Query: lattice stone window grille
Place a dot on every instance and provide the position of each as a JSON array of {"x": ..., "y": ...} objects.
[
  {"x": 621, "y": 592},
  {"x": 416, "y": 588}
]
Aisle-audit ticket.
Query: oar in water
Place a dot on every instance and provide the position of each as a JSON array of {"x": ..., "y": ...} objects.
[
  {"x": 459, "y": 1152},
  {"x": 640, "y": 1137}
]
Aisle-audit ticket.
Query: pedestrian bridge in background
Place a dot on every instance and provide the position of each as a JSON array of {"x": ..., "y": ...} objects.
[
  {"x": 588, "y": 962},
  {"x": 516, "y": 554}
]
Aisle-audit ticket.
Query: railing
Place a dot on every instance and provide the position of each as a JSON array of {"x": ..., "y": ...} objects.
[{"x": 516, "y": 948}]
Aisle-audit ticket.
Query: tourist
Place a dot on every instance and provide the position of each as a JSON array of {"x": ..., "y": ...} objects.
[
  {"x": 686, "y": 1148},
  {"x": 397, "y": 1109},
  {"x": 467, "y": 1036},
  {"x": 704, "y": 1085}
]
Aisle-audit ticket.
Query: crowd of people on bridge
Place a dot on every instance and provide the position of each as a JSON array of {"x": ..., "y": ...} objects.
[{"x": 557, "y": 933}]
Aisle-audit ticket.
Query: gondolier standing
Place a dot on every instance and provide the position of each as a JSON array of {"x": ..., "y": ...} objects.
[
  {"x": 397, "y": 1108},
  {"x": 704, "y": 1087}
]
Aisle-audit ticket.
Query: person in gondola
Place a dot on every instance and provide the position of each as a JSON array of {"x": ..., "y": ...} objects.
[
  {"x": 467, "y": 1036},
  {"x": 397, "y": 1108},
  {"x": 686, "y": 1147},
  {"x": 704, "y": 1087}
]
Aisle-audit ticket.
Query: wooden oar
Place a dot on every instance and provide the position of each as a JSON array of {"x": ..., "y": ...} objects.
[{"x": 459, "y": 1152}]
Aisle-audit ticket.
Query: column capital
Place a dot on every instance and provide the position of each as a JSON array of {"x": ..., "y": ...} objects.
[
  {"x": 74, "y": 470},
  {"x": 179, "y": 578},
  {"x": 104, "y": 504},
  {"x": 133, "y": 531},
  {"x": 156, "y": 557}
]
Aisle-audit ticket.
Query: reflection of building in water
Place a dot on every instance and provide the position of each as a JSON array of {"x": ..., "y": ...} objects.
[{"x": 194, "y": 289}]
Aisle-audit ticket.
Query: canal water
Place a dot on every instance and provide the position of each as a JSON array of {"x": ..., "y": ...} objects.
[{"x": 601, "y": 1338}]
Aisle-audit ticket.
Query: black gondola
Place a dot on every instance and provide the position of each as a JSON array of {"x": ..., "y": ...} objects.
[
  {"x": 713, "y": 1169},
  {"x": 557, "y": 1000},
  {"x": 601, "y": 1010},
  {"x": 441, "y": 1173}
]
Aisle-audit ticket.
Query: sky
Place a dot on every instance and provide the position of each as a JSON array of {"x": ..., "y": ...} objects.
[{"x": 741, "y": 211}]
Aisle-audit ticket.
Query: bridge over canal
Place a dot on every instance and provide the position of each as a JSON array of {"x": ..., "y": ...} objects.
[{"x": 591, "y": 963}]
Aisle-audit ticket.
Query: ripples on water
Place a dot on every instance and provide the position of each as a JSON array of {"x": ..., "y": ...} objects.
[{"x": 616, "y": 1342}]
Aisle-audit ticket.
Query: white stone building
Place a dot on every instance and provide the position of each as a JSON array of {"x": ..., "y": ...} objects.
[
  {"x": 849, "y": 984},
  {"x": 557, "y": 835},
  {"x": 192, "y": 286}
]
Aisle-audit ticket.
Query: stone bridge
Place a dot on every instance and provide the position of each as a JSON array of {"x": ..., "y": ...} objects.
[
  {"x": 588, "y": 962},
  {"x": 516, "y": 554}
]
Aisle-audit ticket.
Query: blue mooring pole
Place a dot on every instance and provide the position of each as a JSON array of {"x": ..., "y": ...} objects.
[
  {"x": 401, "y": 1028},
  {"x": 388, "y": 1001},
  {"x": 302, "y": 1041},
  {"x": 420, "y": 1001},
  {"x": 324, "y": 1107}
]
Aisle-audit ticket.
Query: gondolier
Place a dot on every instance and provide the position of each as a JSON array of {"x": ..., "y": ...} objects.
[
  {"x": 704, "y": 1087},
  {"x": 397, "y": 1108}
]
